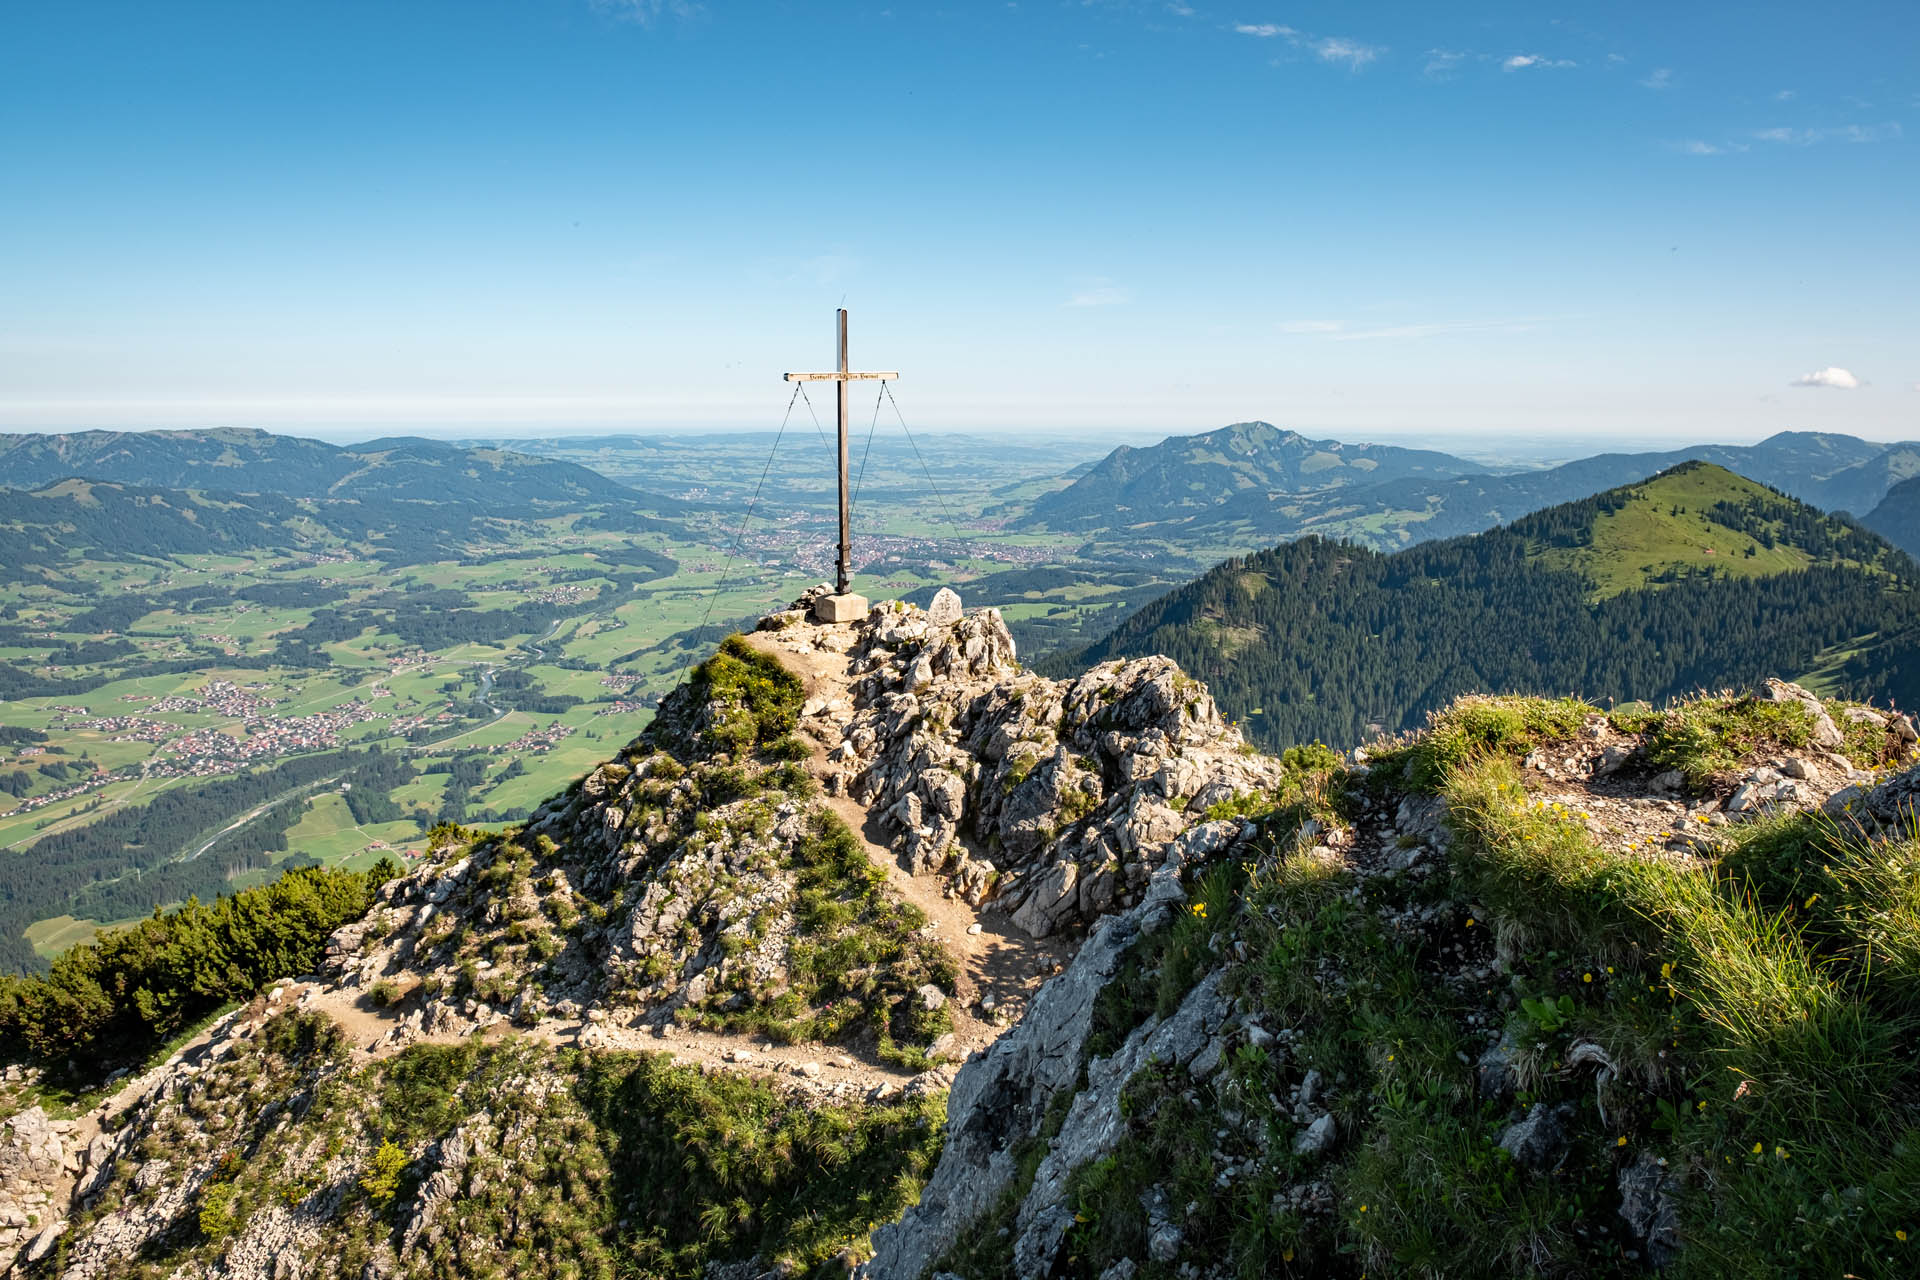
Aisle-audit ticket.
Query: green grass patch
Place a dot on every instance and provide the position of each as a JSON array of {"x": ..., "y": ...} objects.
[
  {"x": 720, "y": 1167},
  {"x": 855, "y": 964},
  {"x": 1472, "y": 729}
]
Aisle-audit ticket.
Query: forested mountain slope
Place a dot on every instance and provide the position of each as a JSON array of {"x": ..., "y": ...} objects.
[
  {"x": 1897, "y": 518},
  {"x": 1696, "y": 578}
]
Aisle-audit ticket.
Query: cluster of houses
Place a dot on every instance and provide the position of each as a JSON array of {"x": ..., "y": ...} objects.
[{"x": 536, "y": 740}]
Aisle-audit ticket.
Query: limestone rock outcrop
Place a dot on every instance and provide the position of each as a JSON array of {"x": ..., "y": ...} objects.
[{"x": 1053, "y": 799}]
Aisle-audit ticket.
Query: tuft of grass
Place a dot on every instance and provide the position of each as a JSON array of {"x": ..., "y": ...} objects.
[
  {"x": 752, "y": 700},
  {"x": 1707, "y": 738},
  {"x": 1793, "y": 1108},
  {"x": 1475, "y": 729}
]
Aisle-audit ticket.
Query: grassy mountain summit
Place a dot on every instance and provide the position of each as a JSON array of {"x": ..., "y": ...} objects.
[
  {"x": 1698, "y": 518},
  {"x": 1696, "y": 578}
]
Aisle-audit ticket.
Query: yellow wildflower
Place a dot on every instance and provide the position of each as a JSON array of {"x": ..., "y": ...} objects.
[
  {"x": 1622, "y": 1142},
  {"x": 1759, "y": 1148}
]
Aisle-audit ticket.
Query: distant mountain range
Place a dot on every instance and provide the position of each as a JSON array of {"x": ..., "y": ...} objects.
[
  {"x": 238, "y": 460},
  {"x": 136, "y": 494},
  {"x": 1695, "y": 578},
  {"x": 1253, "y": 483}
]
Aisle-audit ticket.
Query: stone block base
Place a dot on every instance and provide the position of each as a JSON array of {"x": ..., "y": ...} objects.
[{"x": 846, "y": 608}]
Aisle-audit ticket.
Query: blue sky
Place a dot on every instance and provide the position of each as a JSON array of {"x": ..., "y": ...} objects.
[{"x": 1630, "y": 220}]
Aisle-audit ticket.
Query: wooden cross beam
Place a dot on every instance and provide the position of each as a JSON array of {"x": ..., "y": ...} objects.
[{"x": 843, "y": 377}]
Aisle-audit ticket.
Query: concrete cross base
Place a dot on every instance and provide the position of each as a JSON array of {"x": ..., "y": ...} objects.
[{"x": 846, "y": 608}]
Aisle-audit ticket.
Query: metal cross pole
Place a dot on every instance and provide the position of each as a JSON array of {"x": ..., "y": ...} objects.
[{"x": 843, "y": 377}]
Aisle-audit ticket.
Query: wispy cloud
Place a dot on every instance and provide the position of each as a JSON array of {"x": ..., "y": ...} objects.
[
  {"x": 645, "y": 12},
  {"x": 1831, "y": 378},
  {"x": 1311, "y": 326},
  {"x": 1181, "y": 10},
  {"x": 1524, "y": 61},
  {"x": 1695, "y": 147},
  {"x": 1351, "y": 52},
  {"x": 1662, "y": 78},
  {"x": 1888, "y": 131},
  {"x": 1441, "y": 63},
  {"x": 1098, "y": 292},
  {"x": 1336, "y": 49},
  {"x": 1784, "y": 95}
]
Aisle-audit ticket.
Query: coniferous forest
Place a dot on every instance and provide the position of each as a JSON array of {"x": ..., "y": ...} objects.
[{"x": 1324, "y": 640}]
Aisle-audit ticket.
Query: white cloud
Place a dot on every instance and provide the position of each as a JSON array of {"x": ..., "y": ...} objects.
[
  {"x": 1181, "y": 10},
  {"x": 1832, "y": 378},
  {"x": 1695, "y": 147},
  {"x": 1785, "y": 95},
  {"x": 1889, "y": 131},
  {"x": 1441, "y": 62},
  {"x": 1521, "y": 61},
  {"x": 1098, "y": 293},
  {"x": 1265, "y": 30},
  {"x": 1662, "y": 78},
  {"x": 1351, "y": 52}
]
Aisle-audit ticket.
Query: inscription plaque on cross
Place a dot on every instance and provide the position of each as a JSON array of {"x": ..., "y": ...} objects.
[{"x": 843, "y": 605}]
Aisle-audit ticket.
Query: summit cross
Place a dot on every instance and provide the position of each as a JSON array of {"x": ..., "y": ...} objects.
[{"x": 842, "y": 605}]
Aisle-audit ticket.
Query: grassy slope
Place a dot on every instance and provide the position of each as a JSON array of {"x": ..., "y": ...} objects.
[
  {"x": 1669, "y": 524},
  {"x": 1758, "y": 1008}
]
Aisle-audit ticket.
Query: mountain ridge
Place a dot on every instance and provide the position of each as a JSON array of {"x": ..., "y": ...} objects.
[
  {"x": 595, "y": 1042},
  {"x": 1832, "y": 471},
  {"x": 1178, "y": 473},
  {"x": 1324, "y": 640},
  {"x": 245, "y": 460}
]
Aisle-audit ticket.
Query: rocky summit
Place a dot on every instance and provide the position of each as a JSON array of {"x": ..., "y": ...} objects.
[{"x": 877, "y": 952}]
